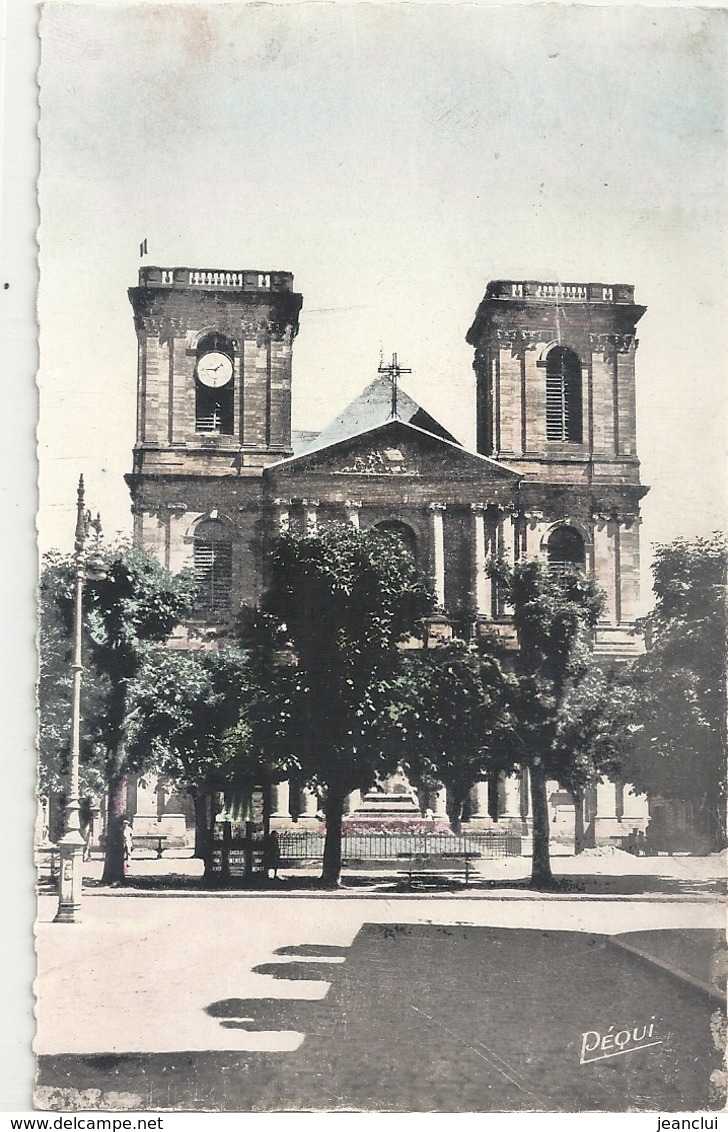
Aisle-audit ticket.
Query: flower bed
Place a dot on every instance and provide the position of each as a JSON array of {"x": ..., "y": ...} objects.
[{"x": 395, "y": 826}]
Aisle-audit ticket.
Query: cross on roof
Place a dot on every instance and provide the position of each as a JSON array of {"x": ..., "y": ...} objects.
[{"x": 393, "y": 371}]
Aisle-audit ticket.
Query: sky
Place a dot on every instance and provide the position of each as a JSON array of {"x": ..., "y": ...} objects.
[{"x": 395, "y": 159}]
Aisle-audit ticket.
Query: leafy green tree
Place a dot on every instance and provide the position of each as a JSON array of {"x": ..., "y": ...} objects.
[
  {"x": 554, "y": 618},
  {"x": 450, "y": 710},
  {"x": 136, "y": 605},
  {"x": 346, "y": 599},
  {"x": 209, "y": 718},
  {"x": 185, "y": 702},
  {"x": 680, "y": 750},
  {"x": 596, "y": 725}
]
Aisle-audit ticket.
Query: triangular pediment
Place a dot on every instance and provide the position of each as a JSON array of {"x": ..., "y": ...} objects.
[
  {"x": 370, "y": 408},
  {"x": 395, "y": 449}
]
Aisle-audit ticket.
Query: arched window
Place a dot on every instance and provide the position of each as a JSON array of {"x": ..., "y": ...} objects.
[
  {"x": 565, "y": 551},
  {"x": 213, "y": 563},
  {"x": 400, "y": 531},
  {"x": 563, "y": 395},
  {"x": 214, "y": 385}
]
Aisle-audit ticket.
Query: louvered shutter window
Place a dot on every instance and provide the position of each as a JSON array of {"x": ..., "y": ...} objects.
[
  {"x": 214, "y": 409},
  {"x": 565, "y": 551},
  {"x": 213, "y": 561},
  {"x": 563, "y": 396}
]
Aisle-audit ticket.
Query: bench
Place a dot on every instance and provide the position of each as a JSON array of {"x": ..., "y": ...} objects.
[
  {"x": 151, "y": 841},
  {"x": 426, "y": 866}
]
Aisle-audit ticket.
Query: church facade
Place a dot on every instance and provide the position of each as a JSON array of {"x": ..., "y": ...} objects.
[{"x": 218, "y": 471}]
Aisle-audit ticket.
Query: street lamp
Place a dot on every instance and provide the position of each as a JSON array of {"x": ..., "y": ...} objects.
[{"x": 71, "y": 844}]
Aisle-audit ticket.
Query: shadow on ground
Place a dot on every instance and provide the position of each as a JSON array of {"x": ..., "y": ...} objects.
[
  {"x": 423, "y": 1018},
  {"x": 394, "y": 882}
]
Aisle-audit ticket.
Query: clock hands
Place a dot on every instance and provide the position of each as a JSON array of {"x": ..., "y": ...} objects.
[{"x": 213, "y": 373}]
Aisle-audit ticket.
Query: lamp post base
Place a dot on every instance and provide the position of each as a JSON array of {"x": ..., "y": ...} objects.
[{"x": 71, "y": 879}]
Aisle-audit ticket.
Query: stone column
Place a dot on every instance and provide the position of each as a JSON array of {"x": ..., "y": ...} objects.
[
  {"x": 309, "y": 805},
  {"x": 604, "y": 564},
  {"x": 284, "y": 515},
  {"x": 438, "y": 543},
  {"x": 629, "y": 567},
  {"x": 506, "y": 536},
  {"x": 535, "y": 531},
  {"x": 311, "y": 524},
  {"x": 479, "y": 802},
  {"x": 352, "y": 801},
  {"x": 483, "y": 586},
  {"x": 439, "y": 804},
  {"x": 512, "y": 792},
  {"x": 280, "y": 800},
  {"x": 505, "y": 545},
  {"x": 180, "y": 548},
  {"x": 352, "y": 513}
]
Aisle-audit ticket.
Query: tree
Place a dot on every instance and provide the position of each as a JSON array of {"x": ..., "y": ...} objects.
[
  {"x": 596, "y": 724},
  {"x": 184, "y": 705},
  {"x": 137, "y": 604},
  {"x": 346, "y": 599},
  {"x": 450, "y": 710},
  {"x": 680, "y": 749},
  {"x": 554, "y": 618}
]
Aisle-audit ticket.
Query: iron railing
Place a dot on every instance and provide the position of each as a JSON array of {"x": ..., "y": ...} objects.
[{"x": 308, "y": 845}]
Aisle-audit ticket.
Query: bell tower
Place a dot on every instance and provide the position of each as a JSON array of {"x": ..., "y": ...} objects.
[
  {"x": 214, "y": 355},
  {"x": 555, "y": 369},
  {"x": 214, "y": 369},
  {"x": 555, "y": 373}
]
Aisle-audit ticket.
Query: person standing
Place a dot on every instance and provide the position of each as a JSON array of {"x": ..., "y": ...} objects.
[
  {"x": 272, "y": 854},
  {"x": 128, "y": 843}
]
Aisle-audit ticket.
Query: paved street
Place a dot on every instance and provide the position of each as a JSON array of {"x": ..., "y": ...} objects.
[{"x": 261, "y": 992}]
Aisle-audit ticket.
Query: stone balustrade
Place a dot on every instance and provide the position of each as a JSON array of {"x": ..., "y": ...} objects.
[
  {"x": 564, "y": 292},
  {"x": 216, "y": 278}
]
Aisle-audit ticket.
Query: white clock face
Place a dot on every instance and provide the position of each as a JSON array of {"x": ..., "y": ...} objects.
[{"x": 214, "y": 369}]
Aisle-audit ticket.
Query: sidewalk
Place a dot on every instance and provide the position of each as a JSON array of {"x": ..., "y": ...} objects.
[
  {"x": 603, "y": 873},
  {"x": 137, "y": 974}
]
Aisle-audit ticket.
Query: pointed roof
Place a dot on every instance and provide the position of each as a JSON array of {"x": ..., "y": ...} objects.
[
  {"x": 373, "y": 407},
  {"x": 396, "y": 450}
]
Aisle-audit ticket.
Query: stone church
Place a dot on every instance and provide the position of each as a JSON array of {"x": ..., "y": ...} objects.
[{"x": 218, "y": 470}]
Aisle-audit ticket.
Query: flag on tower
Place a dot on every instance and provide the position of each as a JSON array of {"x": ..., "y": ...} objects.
[{"x": 143, "y": 248}]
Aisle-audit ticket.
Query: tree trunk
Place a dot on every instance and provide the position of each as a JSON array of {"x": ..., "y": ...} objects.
[
  {"x": 114, "y": 865},
  {"x": 578, "y": 797},
  {"x": 202, "y": 826},
  {"x": 716, "y": 823},
  {"x": 541, "y": 875},
  {"x": 334, "y": 810},
  {"x": 209, "y": 843},
  {"x": 454, "y": 806}
]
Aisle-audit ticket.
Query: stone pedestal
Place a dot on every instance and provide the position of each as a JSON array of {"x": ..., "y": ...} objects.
[{"x": 352, "y": 802}]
